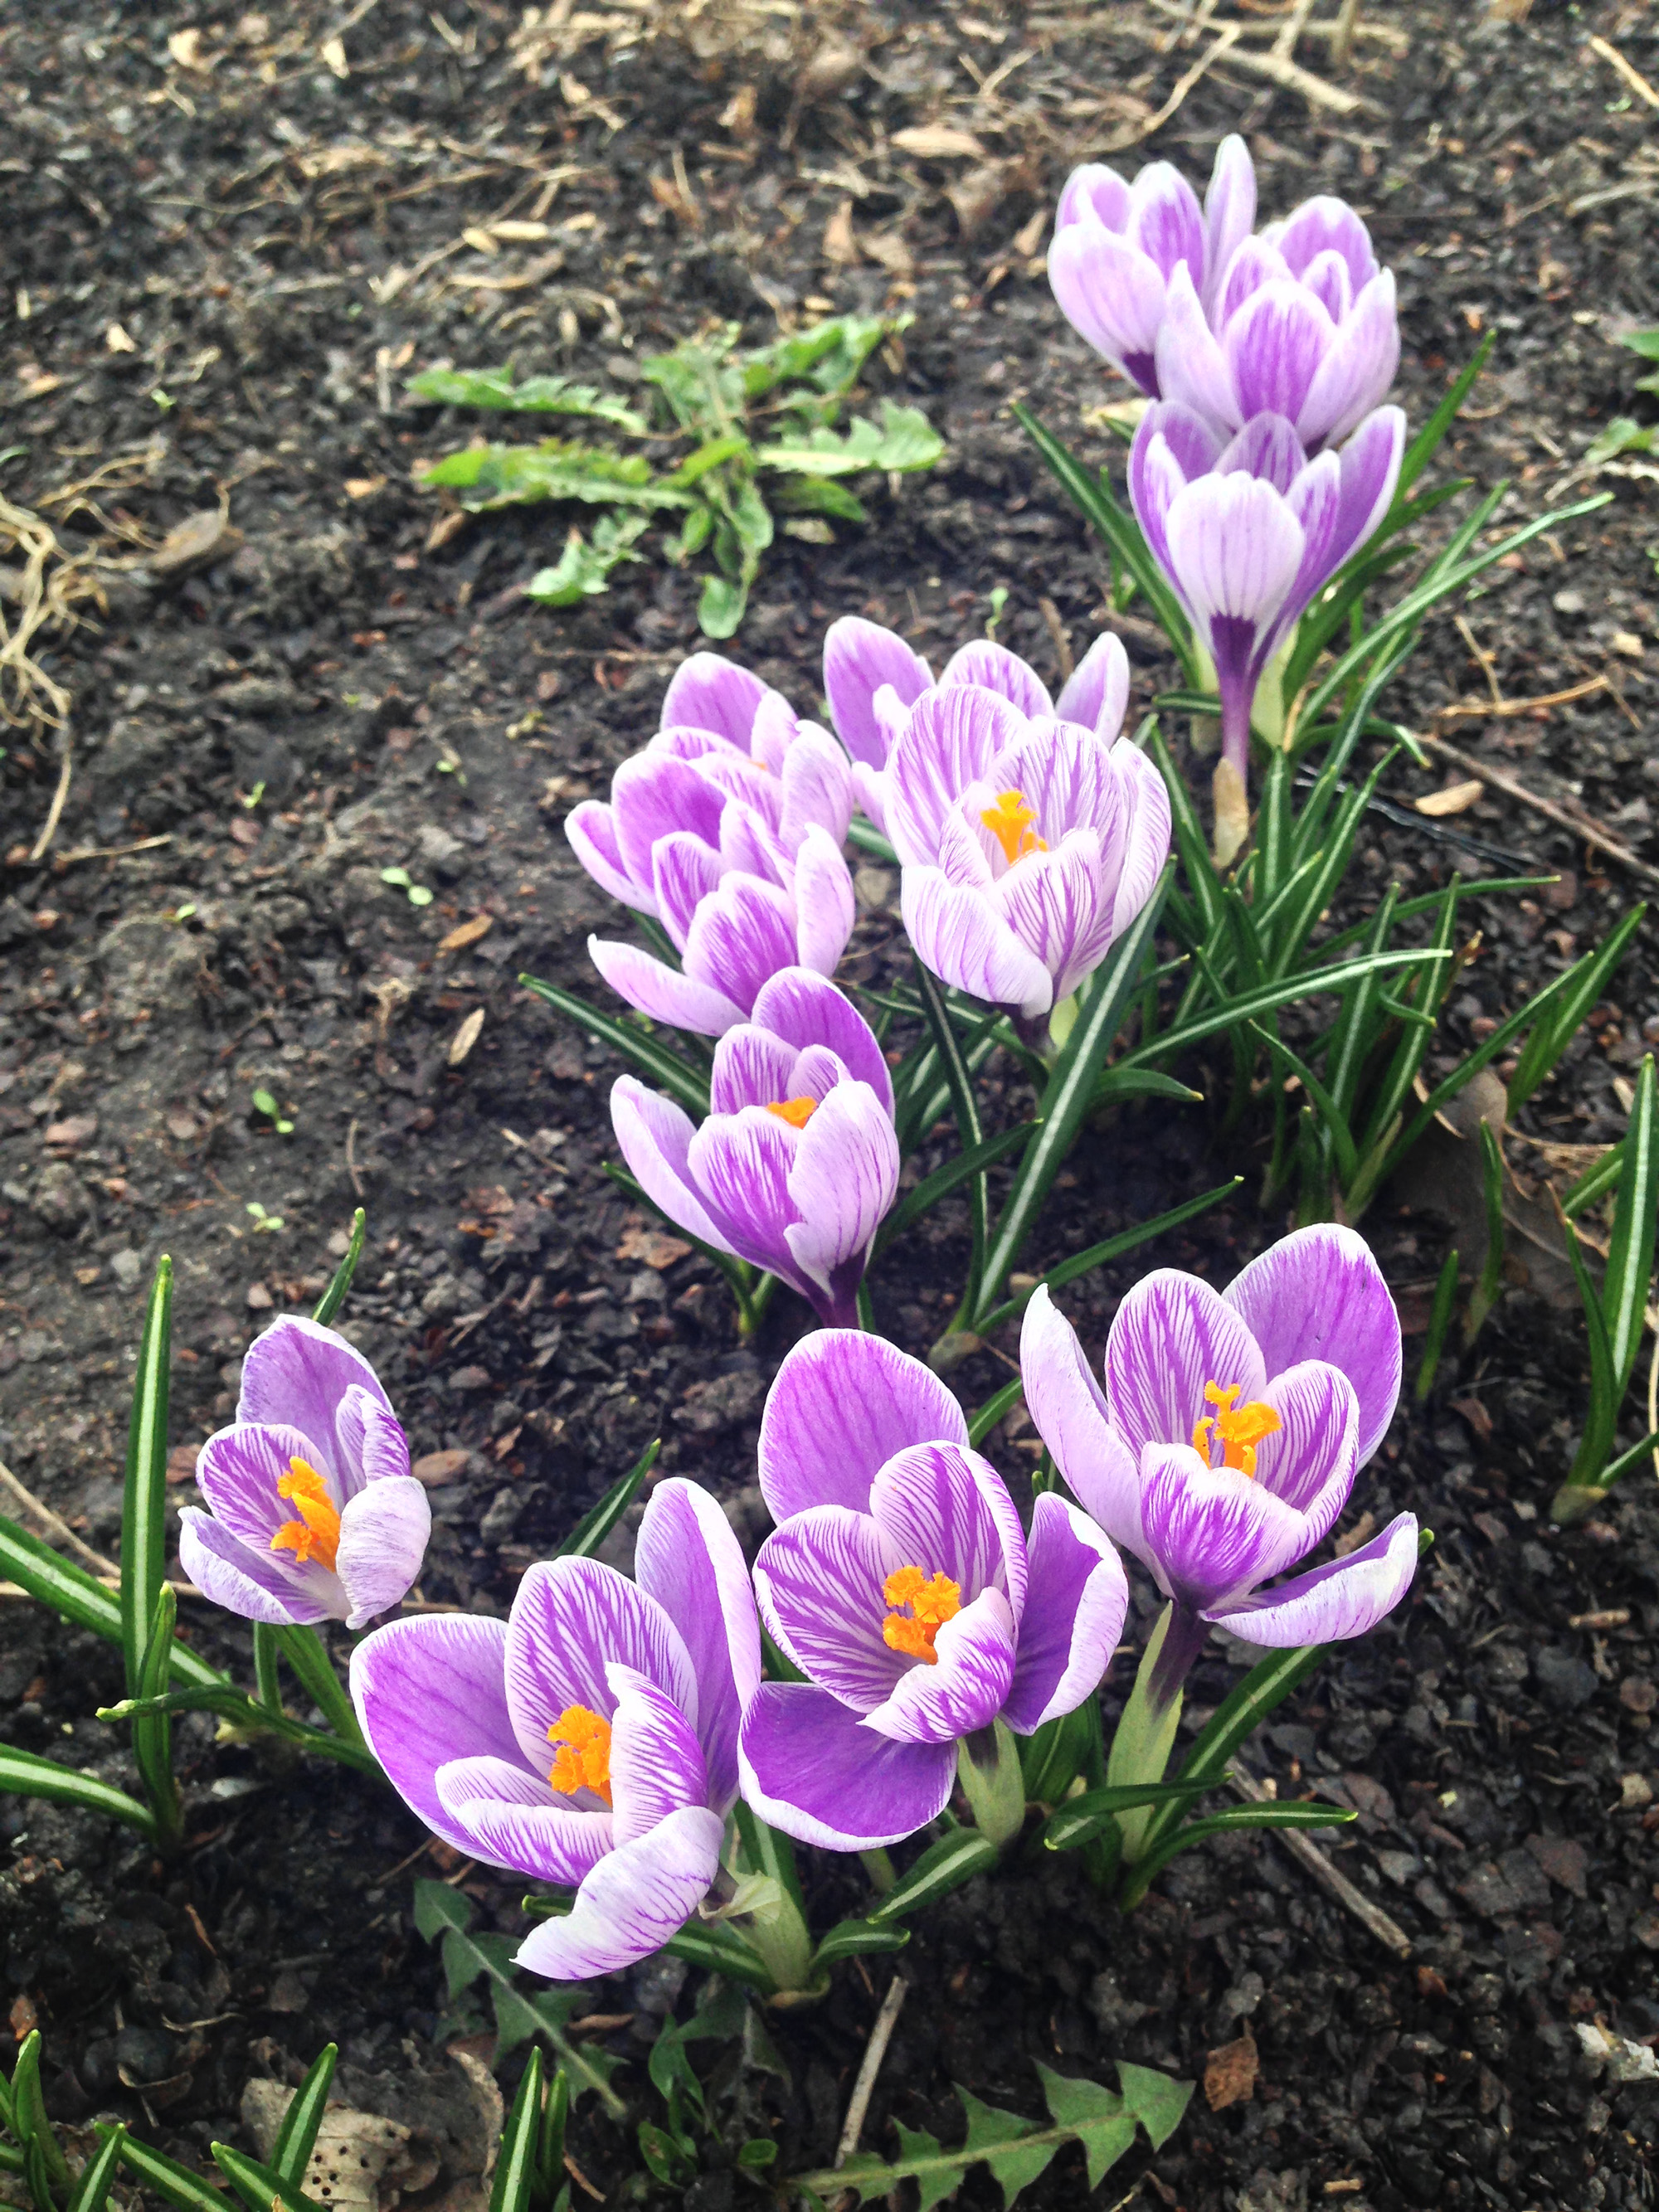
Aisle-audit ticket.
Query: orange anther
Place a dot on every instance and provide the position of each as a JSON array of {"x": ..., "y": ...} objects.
[
  {"x": 933, "y": 1601},
  {"x": 316, "y": 1534},
  {"x": 1009, "y": 823},
  {"x": 1240, "y": 1429},
  {"x": 796, "y": 1112},
  {"x": 584, "y": 1752}
]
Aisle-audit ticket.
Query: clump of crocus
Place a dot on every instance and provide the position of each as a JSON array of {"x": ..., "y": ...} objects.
[
  {"x": 1028, "y": 842},
  {"x": 901, "y": 1585},
  {"x": 798, "y": 1162},
  {"x": 1249, "y": 531},
  {"x": 589, "y": 1740},
  {"x": 1224, "y": 1449},
  {"x": 314, "y": 1513},
  {"x": 727, "y": 829}
]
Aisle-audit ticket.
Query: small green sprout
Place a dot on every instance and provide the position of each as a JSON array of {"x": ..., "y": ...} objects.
[
  {"x": 255, "y": 795},
  {"x": 417, "y": 894},
  {"x": 999, "y": 601},
  {"x": 180, "y": 913},
  {"x": 265, "y": 1104},
  {"x": 268, "y": 1223},
  {"x": 164, "y": 400}
]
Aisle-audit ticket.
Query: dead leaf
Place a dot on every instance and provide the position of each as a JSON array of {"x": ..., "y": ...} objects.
[
  {"x": 181, "y": 1465},
  {"x": 1458, "y": 798},
  {"x": 831, "y": 70},
  {"x": 976, "y": 197},
  {"x": 1230, "y": 2076},
  {"x": 1626, "y": 641},
  {"x": 653, "y": 1247},
  {"x": 117, "y": 341},
  {"x": 480, "y": 240},
  {"x": 467, "y": 932},
  {"x": 68, "y": 1136},
  {"x": 1029, "y": 236},
  {"x": 185, "y": 48},
  {"x": 363, "y": 487},
  {"x": 737, "y": 116},
  {"x": 1476, "y": 1415},
  {"x": 840, "y": 245},
  {"x": 24, "y": 2019},
  {"x": 521, "y": 233},
  {"x": 889, "y": 251},
  {"x": 259, "y": 1299},
  {"x": 438, "y": 1468},
  {"x": 334, "y": 57},
  {"x": 195, "y": 542},
  {"x": 939, "y": 141},
  {"x": 1351, "y": 1538},
  {"x": 445, "y": 528},
  {"x": 1232, "y": 812},
  {"x": 466, "y": 1036}
]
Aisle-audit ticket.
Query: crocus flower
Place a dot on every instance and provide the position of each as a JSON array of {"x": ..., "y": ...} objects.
[
  {"x": 1302, "y": 323},
  {"x": 1028, "y": 843},
  {"x": 798, "y": 1162},
  {"x": 1249, "y": 531},
  {"x": 1229, "y": 1435},
  {"x": 901, "y": 1585},
  {"x": 726, "y": 740},
  {"x": 315, "y": 1515},
  {"x": 1118, "y": 249},
  {"x": 590, "y": 1739},
  {"x": 872, "y": 679}
]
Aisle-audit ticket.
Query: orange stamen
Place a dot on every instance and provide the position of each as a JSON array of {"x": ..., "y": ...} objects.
[
  {"x": 316, "y": 1534},
  {"x": 1009, "y": 823},
  {"x": 584, "y": 1753},
  {"x": 796, "y": 1112},
  {"x": 1239, "y": 1431},
  {"x": 933, "y": 1601}
]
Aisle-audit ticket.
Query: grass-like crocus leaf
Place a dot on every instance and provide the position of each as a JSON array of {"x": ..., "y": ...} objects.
[
  {"x": 858, "y": 1939},
  {"x": 296, "y": 2138},
  {"x": 1081, "y": 1819},
  {"x": 517, "y": 2164},
  {"x": 494, "y": 388},
  {"x": 29, "y": 2123},
  {"x": 965, "y": 1103},
  {"x": 955, "y": 1858},
  {"x": 334, "y": 1296},
  {"x": 1017, "y": 2150},
  {"x": 173, "y": 2184},
  {"x": 144, "y": 1505},
  {"x": 1569, "y": 997},
  {"x": 307, "y": 1654},
  {"x": 596, "y": 1524},
  {"x": 1267, "y": 1684},
  {"x": 720, "y": 1950},
  {"x": 642, "y": 1049},
  {"x": 443, "y": 1914},
  {"x": 71, "y": 1591},
  {"x": 971, "y": 1164},
  {"x": 1147, "y": 1869},
  {"x": 1630, "y": 1250},
  {"x": 92, "y": 2191},
  {"x": 1440, "y": 1314},
  {"x": 152, "y": 1730},
  {"x": 260, "y": 2187},
  {"x": 1098, "y": 1255},
  {"x": 981, "y": 1423}
]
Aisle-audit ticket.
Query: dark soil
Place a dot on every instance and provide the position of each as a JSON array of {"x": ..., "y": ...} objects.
[{"x": 224, "y": 256}]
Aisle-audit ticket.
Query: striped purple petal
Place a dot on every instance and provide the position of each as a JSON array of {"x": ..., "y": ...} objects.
[
  {"x": 1069, "y": 1409},
  {"x": 965, "y": 1687},
  {"x": 1171, "y": 1337},
  {"x": 942, "y": 1507},
  {"x": 384, "y": 1533},
  {"x": 1075, "y": 1603},
  {"x": 570, "y": 1619},
  {"x": 1213, "y": 1533},
  {"x": 687, "y": 1558},
  {"x": 818, "y": 1581},
  {"x": 429, "y": 1690},
  {"x": 844, "y": 1403},
  {"x": 655, "y": 1136},
  {"x": 859, "y": 657},
  {"x": 252, "y": 1583},
  {"x": 1343, "y": 1598},
  {"x": 510, "y": 1817},
  {"x": 633, "y": 1901},
  {"x": 679, "y": 1000},
  {"x": 812, "y": 1769},
  {"x": 657, "y": 1764},
  {"x": 1319, "y": 1294}
]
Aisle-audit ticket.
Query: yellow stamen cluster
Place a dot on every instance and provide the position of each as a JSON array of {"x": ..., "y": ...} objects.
[
  {"x": 584, "y": 1752},
  {"x": 1238, "y": 1430},
  {"x": 933, "y": 1601},
  {"x": 1009, "y": 823},
  {"x": 316, "y": 1534},
  {"x": 796, "y": 1112}
]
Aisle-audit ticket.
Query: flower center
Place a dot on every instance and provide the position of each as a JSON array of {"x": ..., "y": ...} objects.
[
  {"x": 933, "y": 1601},
  {"x": 1237, "y": 1429},
  {"x": 1009, "y": 823},
  {"x": 796, "y": 1112},
  {"x": 316, "y": 1534},
  {"x": 584, "y": 1753}
]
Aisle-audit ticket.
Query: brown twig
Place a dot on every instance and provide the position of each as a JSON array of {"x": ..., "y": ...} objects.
[
  {"x": 1632, "y": 76},
  {"x": 1579, "y": 825},
  {"x": 1302, "y": 1847},
  {"x": 55, "y": 811},
  {"x": 874, "y": 2051},
  {"x": 1501, "y": 706},
  {"x": 1280, "y": 70},
  {"x": 1226, "y": 38},
  {"x": 54, "y": 1524},
  {"x": 1290, "y": 30}
]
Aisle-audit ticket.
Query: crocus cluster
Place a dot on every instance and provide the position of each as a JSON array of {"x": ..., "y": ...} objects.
[
  {"x": 598, "y": 1738},
  {"x": 1268, "y": 459}
]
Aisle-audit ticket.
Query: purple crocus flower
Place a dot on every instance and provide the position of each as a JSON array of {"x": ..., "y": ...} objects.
[
  {"x": 726, "y": 741},
  {"x": 1249, "y": 531},
  {"x": 1228, "y": 1438},
  {"x": 588, "y": 1739},
  {"x": 900, "y": 1583},
  {"x": 1117, "y": 249},
  {"x": 798, "y": 1162},
  {"x": 1302, "y": 323},
  {"x": 872, "y": 679},
  {"x": 1028, "y": 843},
  {"x": 315, "y": 1515}
]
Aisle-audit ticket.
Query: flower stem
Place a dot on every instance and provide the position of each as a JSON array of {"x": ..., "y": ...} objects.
[
  {"x": 1146, "y": 1734},
  {"x": 879, "y": 1868},
  {"x": 987, "y": 1767},
  {"x": 306, "y": 1652}
]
